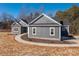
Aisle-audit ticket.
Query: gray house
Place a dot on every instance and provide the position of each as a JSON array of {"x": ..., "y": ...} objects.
[
  {"x": 44, "y": 27},
  {"x": 19, "y": 27}
]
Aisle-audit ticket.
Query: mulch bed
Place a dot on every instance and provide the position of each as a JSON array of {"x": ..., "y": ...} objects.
[{"x": 47, "y": 41}]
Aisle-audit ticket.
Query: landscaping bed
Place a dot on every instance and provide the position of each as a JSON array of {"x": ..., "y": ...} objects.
[{"x": 25, "y": 37}]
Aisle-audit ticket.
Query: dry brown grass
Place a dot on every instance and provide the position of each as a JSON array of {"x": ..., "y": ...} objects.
[{"x": 8, "y": 46}]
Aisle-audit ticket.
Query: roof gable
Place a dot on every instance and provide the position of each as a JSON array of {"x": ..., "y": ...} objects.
[
  {"x": 44, "y": 19},
  {"x": 22, "y": 23},
  {"x": 24, "y": 20},
  {"x": 15, "y": 24}
]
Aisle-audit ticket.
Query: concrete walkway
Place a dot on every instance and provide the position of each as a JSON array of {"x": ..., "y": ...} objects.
[{"x": 18, "y": 38}]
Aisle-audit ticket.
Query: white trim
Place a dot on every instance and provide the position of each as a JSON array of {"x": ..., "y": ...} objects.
[
  {"x": 35, "y": 19},
  {"x": 32, "y": 30},
  {"x": 21, "y": 21},
  {"x": 16, "y": 32},
  {"x": 45, "y": 16},
  {"x": 51, "y": 18},
  {"x": 28, "y": 31},
  {"x": 48, "y": 25},
  {"x": 68, "y": 30},
  {"x": 15, "y": 23},
  {"x": 60, "y": 33},
  {"x": 20, "y": 30},
  {"x": 44, "y": 25},
  {"x": 16, "y": 28},
  {"x": 53, "y": 31}
]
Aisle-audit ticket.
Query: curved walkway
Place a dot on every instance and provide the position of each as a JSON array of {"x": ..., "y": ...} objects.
[{"x": 19, "y": 39}]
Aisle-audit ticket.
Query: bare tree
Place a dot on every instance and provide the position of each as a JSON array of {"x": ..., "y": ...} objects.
[
  {"x": 7, "y": 20},
  {"x": 22, "y": 12}
]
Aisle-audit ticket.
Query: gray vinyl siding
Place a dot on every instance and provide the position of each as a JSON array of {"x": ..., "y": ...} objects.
[
  {"x": 15, "y": 25},
  {"x": 44, "y": 32},
  {"x": 20, "y": 27},
  {"x": 16, "y": 32},
  {"x": 44, "y": 20}
]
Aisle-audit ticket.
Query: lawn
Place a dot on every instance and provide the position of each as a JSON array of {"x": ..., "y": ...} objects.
[{"x": 10, "y": 47}]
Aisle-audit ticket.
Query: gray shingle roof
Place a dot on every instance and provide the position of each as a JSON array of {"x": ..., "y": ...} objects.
[
  {"x": 65, "y": 21},
  {"x": 45, "y": 17}
]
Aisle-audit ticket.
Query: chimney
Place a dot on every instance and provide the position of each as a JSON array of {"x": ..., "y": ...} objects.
[{"x": 61, "y": 22}]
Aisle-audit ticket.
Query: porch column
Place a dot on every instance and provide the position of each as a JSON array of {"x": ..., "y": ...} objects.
[
  {"x": 68, "y": 29},
  {"x": 60, "y": 32}
]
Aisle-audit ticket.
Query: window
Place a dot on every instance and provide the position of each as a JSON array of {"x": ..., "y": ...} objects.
[
  {"x": 33, "y": 30},
  {"x": 52, "y": 31},
  {"x": 15, "y": 29}
]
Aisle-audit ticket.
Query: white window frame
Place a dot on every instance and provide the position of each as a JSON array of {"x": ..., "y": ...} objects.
[
  {"x": 32, "y": 30},
  {"x": 53, "y": 31},
  {"x": 16, "y": 28}
]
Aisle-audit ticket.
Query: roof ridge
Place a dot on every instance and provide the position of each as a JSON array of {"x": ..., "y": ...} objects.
[
  {"x": 36, "y": 18},
  {"x": 45, "y": 16},
  {"x": 24, "y": 21}
]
